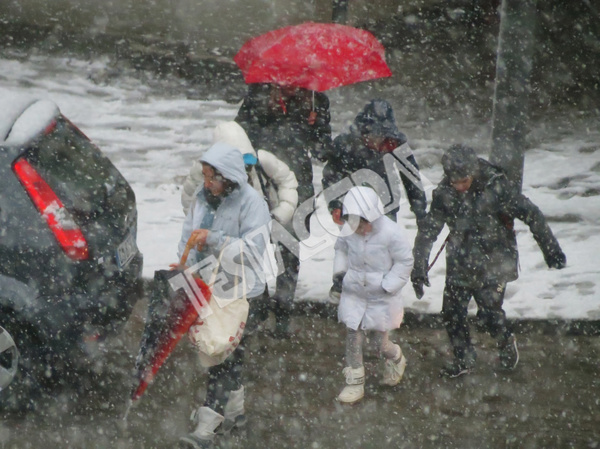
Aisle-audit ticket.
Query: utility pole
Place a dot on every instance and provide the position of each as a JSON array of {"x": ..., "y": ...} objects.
[
  {"x": 339, "y": 12},
  {"x": 511, "y": 95}
]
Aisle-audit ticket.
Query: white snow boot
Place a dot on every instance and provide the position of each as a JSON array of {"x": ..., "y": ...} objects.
[
  {"x": 393, "y": 370},
  {"x": 204, "y": 435},
  {"x": 354, "y": 390},
  {"x": 234, "y": 411}
]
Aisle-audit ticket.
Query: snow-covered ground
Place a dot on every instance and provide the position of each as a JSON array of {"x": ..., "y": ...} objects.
[{"x": 153, "y": 135}]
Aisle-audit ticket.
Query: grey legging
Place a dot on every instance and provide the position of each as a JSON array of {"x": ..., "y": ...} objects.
[{"x": 354, "y": 347}]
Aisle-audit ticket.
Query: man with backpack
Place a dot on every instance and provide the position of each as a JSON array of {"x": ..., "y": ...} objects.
[{"x": 293, "y": 124}]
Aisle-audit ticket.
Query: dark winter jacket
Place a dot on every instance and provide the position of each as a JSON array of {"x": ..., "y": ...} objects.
[
  {"x": 350, "y": 155},
  {"x": 482, "y": 246},
  {"x": 283, "y": 129}
]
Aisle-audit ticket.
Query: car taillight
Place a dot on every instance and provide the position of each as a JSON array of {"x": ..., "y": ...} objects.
[
  {"x": 59, "y": 219},
  {"x": 50, "y": 127}
]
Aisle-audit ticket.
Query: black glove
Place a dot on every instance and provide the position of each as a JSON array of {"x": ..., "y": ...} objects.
[
  {"x": 556, "y": 260},
  {"x": 336, "y": 289},
  {"x": 418, "y": 281}
]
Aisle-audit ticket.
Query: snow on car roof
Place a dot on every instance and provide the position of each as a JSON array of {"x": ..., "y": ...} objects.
[{"x": 22, "y": 118}]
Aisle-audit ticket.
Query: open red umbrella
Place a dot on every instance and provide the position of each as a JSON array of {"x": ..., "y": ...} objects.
[{"x": 315, "y": 56}]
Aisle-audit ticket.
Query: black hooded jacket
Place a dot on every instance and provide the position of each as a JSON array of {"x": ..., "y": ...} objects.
[
  {"x": 284, "y": 130},
  {"x": 350, "y": 155},
  {"x": 482, "y": 246}
]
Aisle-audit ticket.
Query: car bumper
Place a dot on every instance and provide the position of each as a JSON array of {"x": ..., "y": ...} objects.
[{"x": 65, "y": 317}]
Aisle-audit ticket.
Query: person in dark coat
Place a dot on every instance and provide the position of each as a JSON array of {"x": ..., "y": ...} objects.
[
  {"x": 293, "y": 124},
  {"x": 479, "y": 204},
  {"x": 290, "y": 122},
  {"x": 371, "y": 142}
]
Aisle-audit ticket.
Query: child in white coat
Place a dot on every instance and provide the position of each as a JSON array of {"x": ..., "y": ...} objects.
[{"x": 373, "y": 255}]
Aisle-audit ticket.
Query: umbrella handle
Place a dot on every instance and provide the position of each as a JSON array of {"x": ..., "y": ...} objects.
[
  {"x": 184, "y": 256},
  {"x": 438, "y": 254},
  {"x": 127, "y": 409},
  {"x": 186, "y": 252}
]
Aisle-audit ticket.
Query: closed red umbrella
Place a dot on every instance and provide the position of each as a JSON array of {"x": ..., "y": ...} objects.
[
  {"x": 170, "y": 315},
  {"x": 315, "y": 56}
]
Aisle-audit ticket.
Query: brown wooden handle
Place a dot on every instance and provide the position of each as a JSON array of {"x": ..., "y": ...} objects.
[
  {"x": 186, "y": 252},
  {"x": 184, "y": 256}
]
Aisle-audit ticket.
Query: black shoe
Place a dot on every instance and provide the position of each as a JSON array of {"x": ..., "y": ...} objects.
[
  {"x": 455, "y": 369},
  {"x": 281, "y": 332},
  {"x": 282, "y": 325},
  {"x": 509, "y": 354},
  {"x": 458, "y": 367}
]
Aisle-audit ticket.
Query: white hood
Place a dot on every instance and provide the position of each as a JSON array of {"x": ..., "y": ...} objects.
[
  {"x": 228, "y": 160},
  {"x": 364, "y": 202},
  {"x": 234, "y": 135}
]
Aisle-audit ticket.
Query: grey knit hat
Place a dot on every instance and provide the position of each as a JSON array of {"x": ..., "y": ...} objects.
[{"x": 460, "y": 161}]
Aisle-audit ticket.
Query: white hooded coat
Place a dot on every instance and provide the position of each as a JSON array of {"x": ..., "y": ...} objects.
[
  {"x": 377, "y": 266},
  {"x": 281, "y": 184},
  {"x": 241, "y": 221}
]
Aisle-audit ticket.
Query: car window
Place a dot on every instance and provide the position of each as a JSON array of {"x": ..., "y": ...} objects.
[{"x": 75, "y": 169}]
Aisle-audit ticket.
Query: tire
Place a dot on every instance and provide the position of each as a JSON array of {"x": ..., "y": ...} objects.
[
  {"x": 9, "y": 358},
  {"x": 33, "y": 376}
]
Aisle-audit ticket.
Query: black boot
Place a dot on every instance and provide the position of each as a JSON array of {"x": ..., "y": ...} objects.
[
  {"x": 460, "y": 365},
  {"x": 509, "y": 354},
  {"x": 282, "y": 310}
]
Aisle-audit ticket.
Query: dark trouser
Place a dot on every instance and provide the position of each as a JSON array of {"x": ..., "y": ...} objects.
[
  {"x": 285, "y": 285},
  {"x": 298, "y": 160},
  {"x": 490, "y": 314},
  {"x": 227, "y": 377},
  {"x": 223, "y": 379}
]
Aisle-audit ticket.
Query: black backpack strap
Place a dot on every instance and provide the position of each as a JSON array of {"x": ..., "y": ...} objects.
[{"x": 263, "y": 179}]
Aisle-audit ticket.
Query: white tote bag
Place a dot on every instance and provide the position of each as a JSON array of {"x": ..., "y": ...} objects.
[{"x": 217, "y": 335}]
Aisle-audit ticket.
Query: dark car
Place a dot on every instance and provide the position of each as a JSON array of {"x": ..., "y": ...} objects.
[{"x": 70, "y": 269}]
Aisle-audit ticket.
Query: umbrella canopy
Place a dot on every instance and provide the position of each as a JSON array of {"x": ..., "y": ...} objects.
[{"x": 315, "y": 56}]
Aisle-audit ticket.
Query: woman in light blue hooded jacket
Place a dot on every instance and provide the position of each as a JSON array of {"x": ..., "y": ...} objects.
[{"x": 226, "y": 216}]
